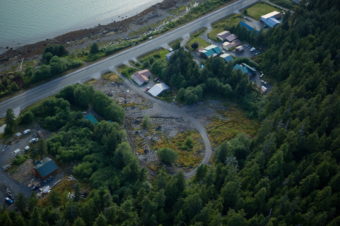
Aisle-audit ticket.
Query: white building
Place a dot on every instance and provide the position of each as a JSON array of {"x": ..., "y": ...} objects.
[{"x": 158, "y": 89}]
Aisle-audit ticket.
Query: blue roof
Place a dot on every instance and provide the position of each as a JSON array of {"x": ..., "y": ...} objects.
[
  {"x": 217, "y": 50},
  {"x": 91, "y": 118},
  {"x": 244, "y": 24},
  {"x": 241, "y": 68},
  {"x": 46, "y": 167},
  {"x": 227, "y": 58},
  {"x": 271, "y": 22}
]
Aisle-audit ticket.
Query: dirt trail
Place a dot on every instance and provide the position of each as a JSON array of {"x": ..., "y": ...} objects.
[{"x": 164, "y": 109}]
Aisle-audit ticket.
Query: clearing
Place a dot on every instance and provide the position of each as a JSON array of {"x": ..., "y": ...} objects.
[{"x": 259, "y": 9}]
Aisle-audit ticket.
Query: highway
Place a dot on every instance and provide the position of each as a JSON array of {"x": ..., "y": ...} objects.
[{"x": 28, "y": 97}]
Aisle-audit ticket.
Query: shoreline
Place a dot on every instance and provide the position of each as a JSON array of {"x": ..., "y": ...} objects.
[
  {"x": 69, "y": 39},
  {"x": 86, "y": 23}
]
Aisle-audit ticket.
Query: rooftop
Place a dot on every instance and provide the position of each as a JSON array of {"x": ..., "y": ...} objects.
[{"x": 46, "y": 167}]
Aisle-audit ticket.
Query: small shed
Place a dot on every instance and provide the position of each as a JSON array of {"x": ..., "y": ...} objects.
[
  {"x": 223, "y": 35},
  {"x": 158, "y": 89},
  {"x": 231, "y": 37},
  {"x": 45, "y": 168},
  {"x": 227, "y": 57}
]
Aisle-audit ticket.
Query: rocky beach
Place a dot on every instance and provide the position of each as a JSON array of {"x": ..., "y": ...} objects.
[{"x": 102, "y": 33}]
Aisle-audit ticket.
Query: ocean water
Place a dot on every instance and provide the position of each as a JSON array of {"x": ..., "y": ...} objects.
[{"x": 28, "y": 21}]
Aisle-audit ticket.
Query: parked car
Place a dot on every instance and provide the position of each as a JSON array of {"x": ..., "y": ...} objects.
[
  {"x": 9, "y": 201},
  {"x": 27, "y": 131},
  {"x": 27, "y": 148},
  {"x": 18, "y": 134},
  {"x": 34, "y": 140}
]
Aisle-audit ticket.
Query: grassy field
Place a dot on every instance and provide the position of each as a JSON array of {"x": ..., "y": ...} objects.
[
  {"x": 201, "y": 43},
  {"x": 186, "y": 158},
  {"x": 226, "y": 127},
  {"x": 156, "y": 54},
  {"x": 259, "y": 9},
  {"x": 224, "y": 24},
  {"x": 111, "y": 77},
  {"x": 126, "y": 71},
  {"x": 195, "y": 37}
]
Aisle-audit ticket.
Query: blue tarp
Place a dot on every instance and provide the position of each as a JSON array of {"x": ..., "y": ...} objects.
[{"x": 91, "y": 118}]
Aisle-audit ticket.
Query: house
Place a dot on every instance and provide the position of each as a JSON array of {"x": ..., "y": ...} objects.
[
  {"x": 271, "y": 19},
  {"x": 158, "y": 89},
  {"x": 245, "y": 69},
  {"x": 210, "y": 51},
  {"x": 229, "y": 45},
  {"x": 227, "y": 57},
  {"x": 223, "y": 35},
  {"x": 141, "y": 77},
  {"x": 231, "y": 38},
  {"x": 45, "y": 168}
]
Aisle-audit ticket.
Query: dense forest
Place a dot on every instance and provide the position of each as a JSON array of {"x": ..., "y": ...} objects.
[{"x": 287, "y": 175}]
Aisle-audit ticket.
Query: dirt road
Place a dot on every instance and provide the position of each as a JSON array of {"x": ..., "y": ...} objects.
[{"x": 164, "y": 109}]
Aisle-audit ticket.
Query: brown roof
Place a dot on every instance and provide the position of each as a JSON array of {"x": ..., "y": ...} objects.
[{"x": 231, "y": 38}]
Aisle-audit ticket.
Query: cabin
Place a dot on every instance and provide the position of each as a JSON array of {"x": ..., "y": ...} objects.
[
  {"x": 141, "y": 77},
  {"x": 45, "y": 168}
]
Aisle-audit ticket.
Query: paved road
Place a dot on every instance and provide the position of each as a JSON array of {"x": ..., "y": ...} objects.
[{"x": 33, "y": 95}]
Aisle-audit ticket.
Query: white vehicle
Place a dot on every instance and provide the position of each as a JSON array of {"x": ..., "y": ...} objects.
[
  {"x": 27, "y": 148},
  {"x": 17, "y": 151},
  {"x": 27, "y": 131},
  {"x": 252, "y": 49},
  {"x": 34, "y": 140},
  {"x": 18, "y": 134}
]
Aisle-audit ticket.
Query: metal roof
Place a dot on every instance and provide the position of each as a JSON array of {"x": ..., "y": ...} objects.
[{"x": 46, "y": 167}]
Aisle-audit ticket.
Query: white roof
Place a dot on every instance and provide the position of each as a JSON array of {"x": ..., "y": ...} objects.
[
  {"x": 224, "y": 55},
  {"x": 158, "y": 89},
  {"x": 210, "y": 47},
  {"x": 269, "y": 15}
]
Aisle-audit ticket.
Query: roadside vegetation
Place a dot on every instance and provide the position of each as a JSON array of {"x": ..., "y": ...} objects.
[
  {"x": 196, "y": 41},
  {"x": 224, "y": 24},
  {"x": 126, "y": 71}
]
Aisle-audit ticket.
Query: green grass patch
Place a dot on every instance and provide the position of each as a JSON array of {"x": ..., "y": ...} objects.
[
  {"x": 175, "y": 44},
  {"x": 126, "y": 71},
  {"x": 200, "y": 41},
  {"x": 259, "y": 9},
  {"x": 187, "y": 158},
  {"x": 228, "y": 125},
  {"x": 224, "y": 24},
  {"x": 156, "y": 54}
]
